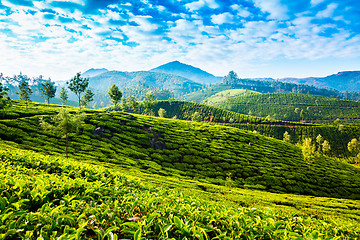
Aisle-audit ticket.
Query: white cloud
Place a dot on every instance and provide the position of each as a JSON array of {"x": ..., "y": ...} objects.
[
  {"x": 241, "y": 11},
  {"x": 316, "y": 2},
  {"x": 274, "y": 8},
  {"x": 328, "y": 12},
  {"x": 222, "y": 18},
  {"x": 193, "y": 6}
]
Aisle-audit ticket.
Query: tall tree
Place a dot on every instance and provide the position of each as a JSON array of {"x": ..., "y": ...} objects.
[
  {"x": 133, "y": 103},
  {"x": 64, "y": 124},
  {"x": 24, "y": 91},
  {"x": 87, "y": 97},
  {"x": 123, "y": 104},
  {"x": 149, "y": 103},
  {"x": 78, "y": 85},
  {"x": 48, "y": 90},
  {"x": 4, "y": 98},
  {"x": 115, "y": 94},
  {"x": 354, "y": 147},
  {"x": 309, "y": 151},
  {"x": 64, "y": 96}
]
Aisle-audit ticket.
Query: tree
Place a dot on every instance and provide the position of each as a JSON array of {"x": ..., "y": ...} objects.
[
  {"x": 319, "y": 141},
  {"x": 162, "y": 112},
  {"x": 78, "y": 85},
  {"x": 4, "y": 98},
  {"x": 64, "y": 96},
  {"x": 354, "y": 147},
  {"x": 123, "y": 104},
  {"x": 231, "y": 78},
  {"x": 196, "y": 117},
  {"x": 115, "y": 94},
  {"x": 133, "y": 103},
  {"x": 149, "y": 103},
  {"x": 48, "y": 90},
  {"x": 95, "y": 105},
  {"x": 64, "y": 124},
  {"x": 24, "y": 91},
  {"x": 87, "y": 97},
  {"x": 309, "y": 151},
  {"x": 286, "y": 137},
  {"x": 326, "y": 147}
]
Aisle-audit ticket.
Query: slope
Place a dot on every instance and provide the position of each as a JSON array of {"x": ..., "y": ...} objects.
[
  {"x": 54, "y": 198},
  {"x": 223, "y": 96},
  {"x": 203, "y": 151},
  {"x": 187, "y": 71},
  {"x": 294, "y": 107}
]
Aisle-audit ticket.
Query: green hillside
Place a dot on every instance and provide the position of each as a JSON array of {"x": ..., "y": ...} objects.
[
  {"x": 44, "y": 197},
  {"x": 223, "y": 96},
  {"x": 153, "y": 178},
  {"x": 204, "y": 151},
  {"x": 337, "y": 135},
  {"x": 294, "y": 107}
]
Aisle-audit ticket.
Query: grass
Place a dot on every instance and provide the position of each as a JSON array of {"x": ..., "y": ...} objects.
[{"x": 223, "y": 96}]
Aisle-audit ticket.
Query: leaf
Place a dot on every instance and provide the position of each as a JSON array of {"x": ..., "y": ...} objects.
[
  {"x": 177, "y": 222},
  {"x": 137, "y": 235},
  {"x": 109, "y": 230}
]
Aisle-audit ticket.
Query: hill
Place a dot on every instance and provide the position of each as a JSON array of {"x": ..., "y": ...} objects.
[
  {"x": 223, "y": 96},
  {"x": 168, "y": 147},
  {"x": 177, "y": 84},
  {"x": 93, "y": 72},
  {"x": 337, "y": 135},
  {"x": 342, "y": 81},
  {"x": 187, "y": 71},
  {"x": 294, "y": 107},
  {"x": 146, "y": 177},
  {"x": 54, "y": 198}
]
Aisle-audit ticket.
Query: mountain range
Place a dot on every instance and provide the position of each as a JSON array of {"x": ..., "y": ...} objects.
[
  {"x": 342, "y": 81},
  {"x": 183, "y": 78}
]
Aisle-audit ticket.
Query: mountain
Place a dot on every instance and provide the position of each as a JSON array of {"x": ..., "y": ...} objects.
[
  {"x": 179, "y": 85},
  {"x": 342, "y": 81},
  {"x": 187, "y": 71},
  {"x": 93, "y": 72}
]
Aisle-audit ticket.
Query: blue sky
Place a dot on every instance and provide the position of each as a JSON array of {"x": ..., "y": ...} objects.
[{"x": 255, "y": 38}]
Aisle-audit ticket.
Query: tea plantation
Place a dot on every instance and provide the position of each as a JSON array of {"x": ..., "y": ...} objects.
[
  {"x": 292, "y": 107},
  {"x": 46, "y": 196},
  {"x": 337, "y": 135}
]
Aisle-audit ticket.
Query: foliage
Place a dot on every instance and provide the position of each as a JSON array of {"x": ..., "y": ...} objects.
[
  {"x": 78, "y": 85},
  {"x": 64, "y": 123},
  {"x": 354, "y": 147},
  {"x": 196, "y": 117},
  {"x": 4, "y": 98},
  {"x": 115, "y": 94},
  {"x": 286, "y": 137},
  {"x": 44, "y": 197},
  {"x": 24, "y": 91},
  {"x": 231, "y": 78},
  {"x": 48, "y": 90},
  {"x": 149, "y": 103},
  {"x": 205, "y": 151},
  {"x": 162, "y": 112},
  {"x": 292, "y": 107},
  {"x": 64, "y": 96},
  {"x": 309, "y": 151},
  {"x": 87, "y": 97}
]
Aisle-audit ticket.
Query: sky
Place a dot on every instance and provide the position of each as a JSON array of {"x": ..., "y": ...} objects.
[{"x": 255, "y": 38}]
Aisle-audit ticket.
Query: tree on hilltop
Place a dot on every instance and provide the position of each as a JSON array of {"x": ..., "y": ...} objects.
[
  {"x": 48, "y": 90},
  {"x": 354, "y": 147},
  {"x": 87, "y": 98},
  {"x": 64, "y": 96},
  {"x": 24, "y": 91},
  {"x": 115, "y": 94},
  {"x": 78, "y": 85},
  {"x": 4, "y": 98}
]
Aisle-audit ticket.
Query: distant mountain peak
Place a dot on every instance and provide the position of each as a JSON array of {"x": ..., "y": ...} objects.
[
  {"x": 92, "y": 72},
  {"x": 187, "y": 71}
]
